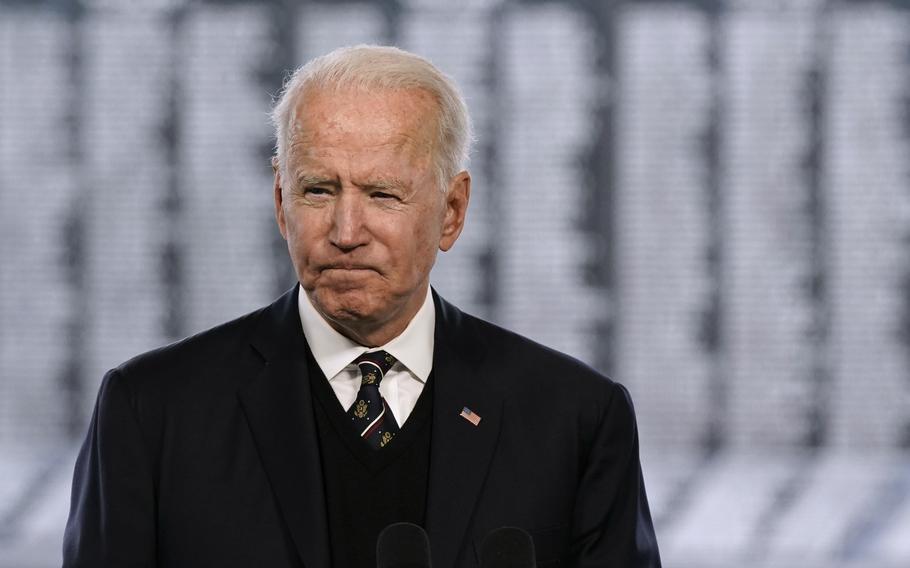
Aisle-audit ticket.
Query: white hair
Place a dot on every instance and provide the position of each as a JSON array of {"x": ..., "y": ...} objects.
[{"x": 381, "y": 67}]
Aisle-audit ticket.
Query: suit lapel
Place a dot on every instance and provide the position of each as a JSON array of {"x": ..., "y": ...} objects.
[
  {"x": 461, "y": 453},
  {"x": 278, "y": 407}
]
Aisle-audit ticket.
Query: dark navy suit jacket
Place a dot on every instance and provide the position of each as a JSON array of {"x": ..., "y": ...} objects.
[{"x": 204, "y": 453}]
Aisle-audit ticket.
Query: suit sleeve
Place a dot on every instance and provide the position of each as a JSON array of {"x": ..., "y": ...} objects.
[
  {"x": 613, "y": 526},
  {"x": 112, "y": 508}
]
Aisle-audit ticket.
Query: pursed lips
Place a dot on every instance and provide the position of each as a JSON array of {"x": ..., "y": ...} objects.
[{"x": 346, "y": 266}]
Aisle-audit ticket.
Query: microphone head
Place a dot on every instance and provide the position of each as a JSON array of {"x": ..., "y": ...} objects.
[
  {"x": 403, "y": 545},
  {"x": 508, "y": 547}
]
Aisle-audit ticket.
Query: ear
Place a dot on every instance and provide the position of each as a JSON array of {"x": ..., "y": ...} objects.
[
  {"x": 279, "y": 211},
  {"x": 456, "y": 207}
]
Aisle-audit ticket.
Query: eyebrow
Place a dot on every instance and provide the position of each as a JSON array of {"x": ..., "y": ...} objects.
[
  {"x": 391, "y": 183},
  {"x": 308, "y": 180}
]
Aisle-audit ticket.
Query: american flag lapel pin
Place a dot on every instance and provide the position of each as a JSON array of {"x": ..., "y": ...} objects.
[{"x": 470, "y": 416}]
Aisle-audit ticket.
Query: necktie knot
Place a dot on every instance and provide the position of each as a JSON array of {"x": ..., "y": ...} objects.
[{"x": 373, "y": 366}]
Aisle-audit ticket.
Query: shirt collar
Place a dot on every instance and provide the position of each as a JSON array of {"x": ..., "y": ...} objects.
[{"x": 333, "y": 351}]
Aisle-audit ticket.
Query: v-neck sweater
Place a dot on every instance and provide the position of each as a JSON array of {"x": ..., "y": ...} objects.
[{"x": 366, "y": 489}]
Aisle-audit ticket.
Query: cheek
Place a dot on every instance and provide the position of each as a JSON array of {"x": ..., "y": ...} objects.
[
  {"x": 423, "y": 244},
  {"x": 302, "y": 233}
]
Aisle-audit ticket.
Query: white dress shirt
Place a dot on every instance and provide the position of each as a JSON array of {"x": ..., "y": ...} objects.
[{"x": 335, "y": 354}]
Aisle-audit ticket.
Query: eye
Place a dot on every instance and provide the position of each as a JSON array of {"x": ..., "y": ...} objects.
[
  {"x": 316, "y": 191},
  {"x": 383, "y": 195}
]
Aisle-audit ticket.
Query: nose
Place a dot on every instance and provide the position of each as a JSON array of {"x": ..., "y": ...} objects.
[{"x": 348, "y": 230}]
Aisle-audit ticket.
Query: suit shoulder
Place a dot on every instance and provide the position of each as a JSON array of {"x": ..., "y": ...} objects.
[
  {"x": 216, "y": 347},
  {"x": 529, "y": 374},
  {"x": 534, "y": 361}
]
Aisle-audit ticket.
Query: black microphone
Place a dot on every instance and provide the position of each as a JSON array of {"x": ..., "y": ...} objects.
[
  {"x": 403, "y": 545},
  {"x": 508, "y": 547}
]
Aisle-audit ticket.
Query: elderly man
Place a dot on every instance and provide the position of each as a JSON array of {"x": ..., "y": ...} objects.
[{"x": 360, "y": 398}]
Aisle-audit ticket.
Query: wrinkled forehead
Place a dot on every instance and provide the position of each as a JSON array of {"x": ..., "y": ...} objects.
[{"x": 358, "y": 119}]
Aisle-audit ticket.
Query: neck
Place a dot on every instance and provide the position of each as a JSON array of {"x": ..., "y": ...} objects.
[{"x": 369, "y": 336}]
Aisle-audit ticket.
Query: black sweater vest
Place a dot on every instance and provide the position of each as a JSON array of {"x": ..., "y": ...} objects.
[{"x": 367, "y": 490}]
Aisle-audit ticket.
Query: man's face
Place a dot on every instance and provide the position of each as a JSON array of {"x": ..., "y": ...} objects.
[{"x": 361, "y": 212}]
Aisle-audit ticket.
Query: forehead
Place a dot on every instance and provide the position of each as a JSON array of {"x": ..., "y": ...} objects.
[{"x": 356, "y": 120}]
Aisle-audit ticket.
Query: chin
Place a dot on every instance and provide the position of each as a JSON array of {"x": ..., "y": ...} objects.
[{"x": 345, "y": 305}]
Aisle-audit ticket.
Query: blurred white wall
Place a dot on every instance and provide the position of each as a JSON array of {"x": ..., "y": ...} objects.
[{"x": 707, "y": 200}]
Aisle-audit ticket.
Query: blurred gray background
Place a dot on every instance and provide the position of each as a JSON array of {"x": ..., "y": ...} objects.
[{"x": 707, "y": 200}]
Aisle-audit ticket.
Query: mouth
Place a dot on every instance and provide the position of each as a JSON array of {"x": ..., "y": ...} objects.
[{"x": 347, "y": 267}]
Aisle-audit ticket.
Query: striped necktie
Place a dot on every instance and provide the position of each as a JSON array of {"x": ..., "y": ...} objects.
[{"x": 370, "y": 415}]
